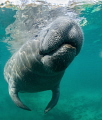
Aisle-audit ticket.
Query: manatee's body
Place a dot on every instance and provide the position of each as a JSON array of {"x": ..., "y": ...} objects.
[{"x": 40, "y": 64}]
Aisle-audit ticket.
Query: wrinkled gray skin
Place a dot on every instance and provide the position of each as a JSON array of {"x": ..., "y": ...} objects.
[{"x": 40, "y": 64}]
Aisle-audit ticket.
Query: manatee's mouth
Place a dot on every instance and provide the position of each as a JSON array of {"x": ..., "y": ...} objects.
[
  {"x": 58, "y": 48},
  {"x": 59, "y": 58}
]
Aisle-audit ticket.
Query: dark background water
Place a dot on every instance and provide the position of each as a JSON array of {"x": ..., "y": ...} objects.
[{"x": 81, "y": 86}]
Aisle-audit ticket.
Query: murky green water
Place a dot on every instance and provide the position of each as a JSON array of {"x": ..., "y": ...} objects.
[{"x": 81, "y": 86}]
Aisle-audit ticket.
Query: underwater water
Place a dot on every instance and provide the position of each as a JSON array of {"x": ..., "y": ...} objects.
[{"x": 81, "y": 85}]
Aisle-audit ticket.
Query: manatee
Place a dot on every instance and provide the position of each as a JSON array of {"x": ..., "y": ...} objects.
[{"x": 39, "y": 64}]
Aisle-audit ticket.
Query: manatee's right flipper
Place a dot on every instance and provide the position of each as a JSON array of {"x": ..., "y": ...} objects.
[
  {"x": 54, "y": 100},
  {"x": 14, "y": 95}
]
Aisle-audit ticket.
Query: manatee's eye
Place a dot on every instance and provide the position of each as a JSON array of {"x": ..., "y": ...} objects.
[{"x": 40, "y": 53}]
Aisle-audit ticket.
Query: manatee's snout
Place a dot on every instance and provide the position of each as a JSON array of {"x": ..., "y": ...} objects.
[{"x": 62, "y": 41}]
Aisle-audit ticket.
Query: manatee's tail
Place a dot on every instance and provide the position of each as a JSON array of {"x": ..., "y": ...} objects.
[{"x": 14, "y": 95}]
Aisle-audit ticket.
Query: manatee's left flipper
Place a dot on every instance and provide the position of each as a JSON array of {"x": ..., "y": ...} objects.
[
  {"x": 54, "y": 100},
  {"x": 14, "y": 95}
]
